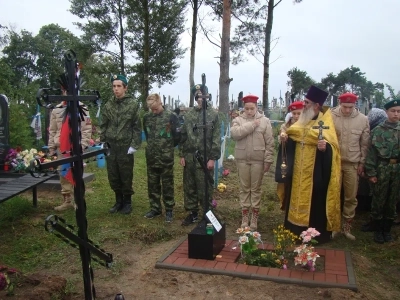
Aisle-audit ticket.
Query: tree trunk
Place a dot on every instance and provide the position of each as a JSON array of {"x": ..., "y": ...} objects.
[
  {"x": 121, "y": 35},
  {"x": 193, "y": 50},
  {"x": 224, "y": 80},
  {"x": 268, "y": 31},
  {"x": 146, "y": 52}
]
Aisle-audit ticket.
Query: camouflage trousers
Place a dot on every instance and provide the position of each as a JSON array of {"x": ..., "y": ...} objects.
[
  {"x": 120, "y": 170},
  {"x": 385, "y": 193},
  {"x": 193, "y": 185},
  {"x": 160, "y": 181}
]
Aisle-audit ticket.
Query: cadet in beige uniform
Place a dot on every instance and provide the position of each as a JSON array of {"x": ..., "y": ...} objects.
[
  {"x": 56, "y": 120},
  {"x": 352, "y": 128},
  {"x": 254, "y": 149}
]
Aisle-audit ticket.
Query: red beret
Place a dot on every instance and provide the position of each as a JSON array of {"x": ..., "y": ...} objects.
[
  {"x": 250, "y": 98},
  {"x": 348, "y": 98},
  {"x": 296, "y": 105}
]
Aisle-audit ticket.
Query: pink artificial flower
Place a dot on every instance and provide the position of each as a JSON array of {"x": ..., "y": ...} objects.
[
  {"x": 314, "y": 255},
  {"x": 313, "y": 232},
  {"x": 306, "y": 239},
  {"x": 214, "y": 203},
  {"x": 247, "y": 229},
  {"x": 243, "y": 239},
  {"x": 3, "y": 281},
  {"x": 11, "y": 271}
]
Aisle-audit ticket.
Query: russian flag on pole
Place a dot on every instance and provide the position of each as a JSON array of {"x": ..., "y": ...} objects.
[{"x": 65, "y": 149}]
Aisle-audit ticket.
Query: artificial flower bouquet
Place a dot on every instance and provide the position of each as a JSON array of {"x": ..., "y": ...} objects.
[
  {"x": 306, "y": 255},
  {"x": 5, "y": 280},
  {"x": 248, "y": 240},
  {"x": 20, "y": 160}
]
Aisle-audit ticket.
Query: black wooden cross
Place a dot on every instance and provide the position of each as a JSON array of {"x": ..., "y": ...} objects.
[
  {"x": 54, "y": 223},
  {"x": 320, "y": 127},
  {"x": 203, "y": 159}
]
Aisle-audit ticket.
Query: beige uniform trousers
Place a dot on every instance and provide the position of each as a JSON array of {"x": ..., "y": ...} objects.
[
  {"x": 250, "y": 178},
  {"x": 349, "y": 179},
  {"x": 66, "y": 186}
]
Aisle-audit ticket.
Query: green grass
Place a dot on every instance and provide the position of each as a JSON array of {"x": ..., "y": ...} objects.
[{"x": 25, "y": 245}]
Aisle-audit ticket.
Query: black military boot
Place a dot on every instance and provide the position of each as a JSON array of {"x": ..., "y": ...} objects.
[
  {"x": 368, "y": 226},
  {"x": 387, "y": 227},
  {"x": 118, "y": 203},
  {"x": 127, "y": 208},
  {"x": 378, "y": 234}
]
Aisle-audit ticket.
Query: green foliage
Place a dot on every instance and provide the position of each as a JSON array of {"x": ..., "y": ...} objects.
[
  {"x": 392, "y": 93},
  {"x": 20, "y": 54},
  {"x": 21, "y": 134},
  {"x": 97, "y": 72},
  {"x": 348, "y": 80},
  {"x": 105, "y": 25},
  {"x": 6, "y": 75},
  {"x": 51, "y": 42},
  {"x": 156, "y": 27},
  {"x": 299, "y": 81},
  {"x": 149, "y": 29},
  {"x": 262, "y": 258}
]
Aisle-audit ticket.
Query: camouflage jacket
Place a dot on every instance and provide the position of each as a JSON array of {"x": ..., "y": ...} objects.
[
  {"x": 385, "y": 142},
  {"x": 120, "y": 122},
  {"x": 192, "y": 138},
  {"x": 163, "y": 133}
]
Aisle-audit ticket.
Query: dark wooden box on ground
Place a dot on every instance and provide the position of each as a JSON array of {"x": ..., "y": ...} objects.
[{"x": 203, "y": 245}]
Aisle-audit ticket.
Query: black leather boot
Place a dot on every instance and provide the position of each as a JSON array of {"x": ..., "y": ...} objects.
[
  {"x": 127, "y": 208},
  {"x": 368, "y": 226},
  {"x": 387, "y": 227},
  {"x": 378, "y": 234},
  {"x": 118, "y": 203}
]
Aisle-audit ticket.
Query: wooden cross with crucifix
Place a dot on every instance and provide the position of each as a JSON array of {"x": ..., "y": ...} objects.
[{"x": 320, "y": 127}]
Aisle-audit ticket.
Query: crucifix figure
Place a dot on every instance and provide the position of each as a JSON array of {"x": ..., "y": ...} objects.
[
  {"x": 320, "y": 127},
  {"x": 73, "y": 157}
]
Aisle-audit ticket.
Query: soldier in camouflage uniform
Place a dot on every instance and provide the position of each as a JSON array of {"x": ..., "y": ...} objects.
[
  {"x": 382, "y": 166},
  {"x": 191, "y": 141},
  {"x": 162, "y": 131},
  {"x": 120, "y": 127}
]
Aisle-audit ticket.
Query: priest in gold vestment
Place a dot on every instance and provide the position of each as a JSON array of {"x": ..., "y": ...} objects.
[{"x": 311, "y": 153}]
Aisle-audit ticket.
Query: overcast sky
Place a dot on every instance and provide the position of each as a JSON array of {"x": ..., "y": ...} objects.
[{"x": 317, "y": 36}]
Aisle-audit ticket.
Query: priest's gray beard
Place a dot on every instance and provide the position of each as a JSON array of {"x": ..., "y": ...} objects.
[{"x": 306, "y": 116}]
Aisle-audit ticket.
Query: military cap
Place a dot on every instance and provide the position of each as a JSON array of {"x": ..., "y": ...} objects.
[
  {"x": 119, "y": 77},
  {"x": 393, "y": 103},
  {"x": 196, "y": 88},
  {"x": 250, "y": 99},
  {"x": 296, "y": 105},
  {"x": 348, "y": 98}
]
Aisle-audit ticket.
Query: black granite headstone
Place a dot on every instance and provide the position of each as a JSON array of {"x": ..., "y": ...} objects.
[{"x": 4, "y": 129}]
